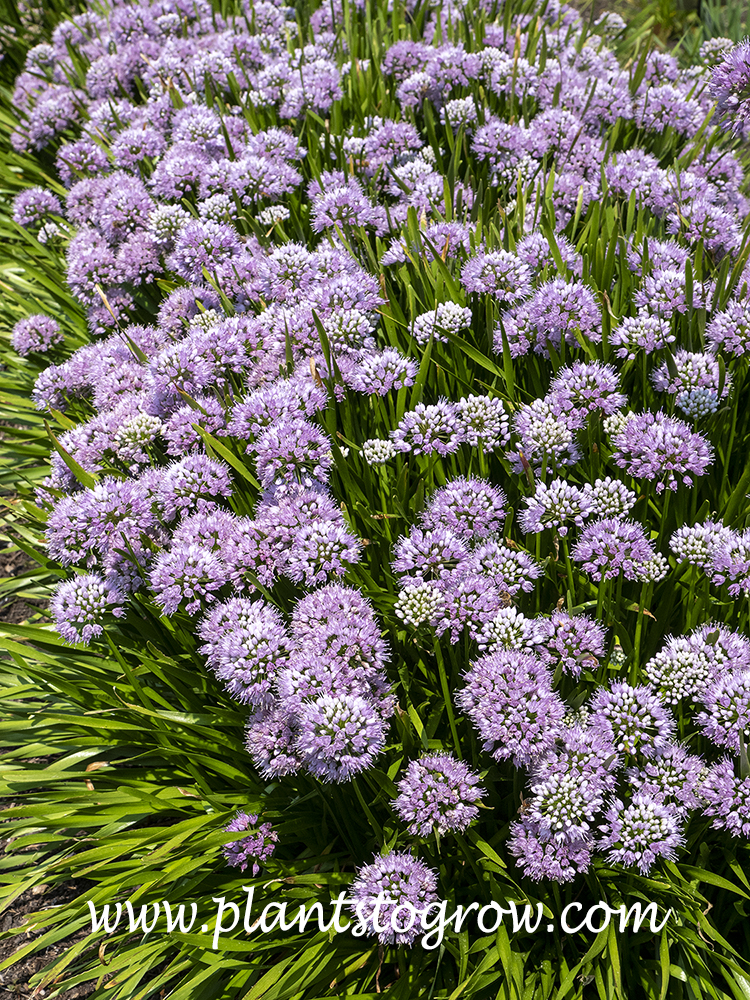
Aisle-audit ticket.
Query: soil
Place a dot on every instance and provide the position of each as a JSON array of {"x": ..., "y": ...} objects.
[{"x": 13, "y": 563}]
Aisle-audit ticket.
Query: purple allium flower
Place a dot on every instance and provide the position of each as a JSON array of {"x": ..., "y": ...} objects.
[
  {"x": 542, "y": 857},
  {"x": 470, "y": 508},
  {"x": 535, "y": 250},
  {"x": 611, "y": 546},
  {"x": 80, "y": 607},
  {"x": 583, "y": 388},
  {"x": 726, "y": 799},
  {"x": 245, "y": 644},
  {"x": 510, "y": 569},
  {"x": 438, "y": 792},
  {"x": 203, "y": 244},
  {"x": 563, "y": 805},
  {"x": 559, "y": 309},
  {"x": 189, "y": 574},
  {"x": 643, "y": 332},
  {"x": 572, "y": 642},
  {"x": 380, "y": 373},
  {"x": 447, "y": 317},
  {"x": 730, "y": 88},
  {"x": 36, "y": 333},
  {"x": 259, "y": 845},
  {"x": 636, "y": 835},
  {"x": 320, "y": 550},
  {"x": 695, "y": 380},
  {"x": 727, "y": 717},
  {"x": 293, "y": 450},
  {"x": 339, "y": 623},
  {"x": 471, "y": 601},
  {"x": 664, "y": 293},
  {"x": 729, "y": 330},
  {"x": 390, "y": 895},
  {"x": 270, "y": 739},
  {"x": 656, "y": 446},
  {"x": 633, "y": 718},
  {"x": 672, "y": 779},
  {"x": 483, "y": 422},
  {"x": 339, "y": 736},
  {"x": 554, "y": 505},
  {"x": 32, "y": 206},
  {"x": 427, "y": 429},
  {"x": 544, "y": 438},
  {"x": 509, "y": 698},
  {"x": 191, "y": 484},
  {"x": 431, "y": 554},
  {"x": 498, "y": 273}
]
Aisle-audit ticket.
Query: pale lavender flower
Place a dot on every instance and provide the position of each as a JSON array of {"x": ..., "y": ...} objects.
[
  {"x": 554, "y": 506},
  {"x": 610, "y": 498},
  {"x": 80, "y": 607},
  {"x": 612, "y": 546},
  {"x": 293, "y": 450},
  {"x": 730, "y": 87},
  {"x": 570, "y": 643},
  {"x": 498, "y": 273},
  {"x": 643, "y": 332},
  {"x": 390, "y": 894},
  {"x": 673, "y": 779},
  {"x": 429, "y": 428},
  {"x": 583, "y": 388},
  {"x": 656, "y": 446},
  {"x": 438, "y": 792},
  {"x": 729, "y": 330},
  {"x": 541, "y": 857},
  {"x": 510, "y": 569},
  {"x": 726, "y": 799},
  {"x": 633, "y": 718},
  {"x": 430, "y": 554},
  {"x": 189, "y": 575},
  {"x": 638, "y": 834},
  {"x": 470, "y": 508},
  {"x": 192, "y": 484},
  {"x": 446, "y": 318},
  {"x": 340, "y": 735},
  {"x": 257, "y": 846},
  {"x": 36, "y": 334},
  {"x": 509, "y": 698},
  {"x": 726, "y": 719},
  {"x": 544, "y": 438},
  {"x": 270, "y": 739}
]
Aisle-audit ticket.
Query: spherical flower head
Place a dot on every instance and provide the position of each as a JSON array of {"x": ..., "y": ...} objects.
[
  {"x": 192, "y": 484},
  {"x": 320, "y": 550},
  {"x": 32, "y": 206},
  {"x": 429, "y": 555},
  {"x": 470, "y": 508},
  {"x": 662, "y": 448},
  {"x": 257, "y": 846},
  {"x": 611, "y": 546},
  {"x": 695, "y": 380},
  {"x": 270, "y": 739},
  {"x": 483, "y": 422},
  {"x": 564, "y": 806},
  {"x": 509, "y": 629},
  {"x": 730, "y": 88},
  {"x": 673, "y": 779},
  {"x": 339, "y": 736},
  {"x": 610, "y": 498},
  {"x": 188, "y": 575},
  {"x": 471, "y": 602},
  {"x": 571, "y": 642},
  {"x": 510, "y": 569},
  {"x": 378, "y": 451},
  {"x": 497, "y": 273},
  {"x": 291, "y": 450},
  {"x": 80, "y": 607},
  {"x": 381, "y": 373},
  {"x": 638, "y": 834},
  {"x": 543, "y": 436},
  {"x": 726, "y": 719},
  {"x": 726, "y": 799},
  {"x": 541, "y": 857},
  {"x": 203, "y": 244},
  {"x": 583, "y": 388},
  {"x": 729, "y": 330},
  {"x": 509, "y": 698},
  {"x": 389, "y": 895},
  {"x": 246, "y": 644},
  {"x": 429, "y": 428},
  {"x": 554, "y": 506},
  {"x": 36, "y": 334},
  {"x": 445, "y": 318},
  {"x": 681, "y": 670},
  {"x": 633, "y": 718},
  {"x": 438, "y": 792},
  {"x": 420, "y": 604}
]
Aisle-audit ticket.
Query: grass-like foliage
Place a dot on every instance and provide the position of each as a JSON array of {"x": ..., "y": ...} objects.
[{"x": 605, "y": 197}]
